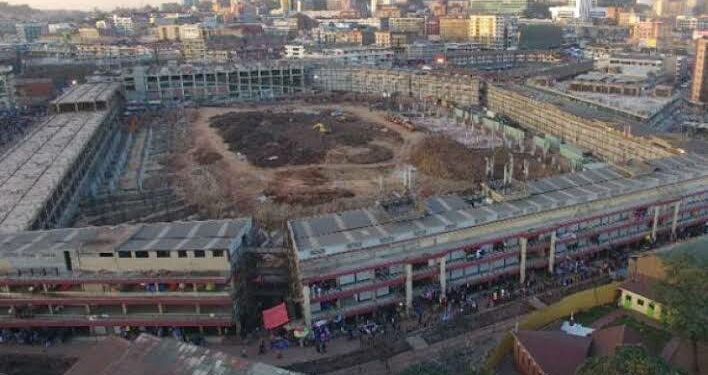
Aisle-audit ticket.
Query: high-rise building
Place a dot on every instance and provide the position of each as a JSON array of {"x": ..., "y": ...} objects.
[
  {"x": 495, "y": 31},
  {"x": 29, "y": 32},
  {"x": 582, "y": 9},
  {"x": 699, "y": 89},
  {"x": 498, "y": 6}
]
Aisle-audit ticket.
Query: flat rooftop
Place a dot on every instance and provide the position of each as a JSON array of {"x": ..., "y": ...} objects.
[
  {"x": 32, "y": 169},
  {"x": 578, "y": 109},
  {"x": 330, "y": 234},
  {"x": 88, "y": 93},
  {"x": 29, "y": 247}
]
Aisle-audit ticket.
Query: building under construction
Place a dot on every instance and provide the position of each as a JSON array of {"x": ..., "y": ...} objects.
[
  {"x": 353, "y": 262},
  {"x": 109, "y": 279},
  {"x": 44, "y": 173},
  {"x": 212, "y": 83},
  {"x": 416, "y": 85},
  {"x": 575, "y": 124}
]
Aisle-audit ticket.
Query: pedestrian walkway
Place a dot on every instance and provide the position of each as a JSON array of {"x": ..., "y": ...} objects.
[{"x": 609, "y": 318}]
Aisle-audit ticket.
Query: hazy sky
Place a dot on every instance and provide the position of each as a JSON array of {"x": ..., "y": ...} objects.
[{"x": 86, "y": 4}]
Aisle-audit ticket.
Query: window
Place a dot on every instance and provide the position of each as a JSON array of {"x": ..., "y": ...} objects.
[
  {"x": 105, "y": 255},
  {"x": 182, "y": 253},
  {"x": 640, "y": 302},
  {"x": 217, "y": 253},
  {"x": 199, "y": 253},
  {"x": 652, "y": 306},
  {"x": 628, "y": 298},
  {"x": 163, "y": 254},
  {"x": 141, "y": 254},
  {"x": 124, "y": 254}
]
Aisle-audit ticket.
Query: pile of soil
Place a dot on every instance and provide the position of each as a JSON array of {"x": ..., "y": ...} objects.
[
  {"x": 443, "y": 157},
  {"x": 35, "y": 364},
  {"x": 285, "y": 138},
  {"x": 305, "y": 187},
  {"x": 206, "y": 157}
]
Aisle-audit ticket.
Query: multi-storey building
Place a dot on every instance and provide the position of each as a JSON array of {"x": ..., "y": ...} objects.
[
  {"x": 439, "y": 88},
  {"x": 515, "y": 7},
  {"x": 547, "y": 114},
  {"x": 212, "y": 83},
  {"x": 352, "y": 262},
  {"x": 42, "y": 176},
  {"x": 495, "y": 31},
  {"x": 29, "y": 32},
  {"x": 699, "y": 88},
  {"x": 389, "y": 39},
  {"x": 413, "y": 25},
  {"x": 109, "y": 279},
  {"x": 7, "y": 87},
  {"x": 454, "y": 29},
  {"x": 490, "y": 31},
  {"x": 101, "y": 51},
  {"x": 651, "y": 33},
  {"x": 180, "y": 32}
]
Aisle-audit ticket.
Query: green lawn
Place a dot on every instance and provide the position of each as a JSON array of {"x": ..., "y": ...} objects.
[
  {"x": 588, "y": 317},
  {"x": 653, "y": 338}
]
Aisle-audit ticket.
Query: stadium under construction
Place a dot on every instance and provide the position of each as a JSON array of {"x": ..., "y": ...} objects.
[{"x": 189, "y": 274}]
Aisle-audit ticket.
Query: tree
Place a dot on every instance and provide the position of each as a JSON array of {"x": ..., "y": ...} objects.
[
  {"x": 682, "y": 294},
  {"x": 628, "y": 360}
]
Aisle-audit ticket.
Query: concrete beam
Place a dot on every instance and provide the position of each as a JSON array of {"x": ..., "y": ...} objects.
[
  {"x": 655, "y": 223},
  {"x": 522, "y": 266},
  {"x": 306, "y": 309},
  {"x": 409, "y": 287},
  {"x": 443, "y": 277},
  {"x": 674, "y": 221},
  {"x": 552, "y": 253}
]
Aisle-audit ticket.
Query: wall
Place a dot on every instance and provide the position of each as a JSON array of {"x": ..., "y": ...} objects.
[{"x": 640, "y": 304}]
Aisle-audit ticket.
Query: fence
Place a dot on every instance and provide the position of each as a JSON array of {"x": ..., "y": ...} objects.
[{"x": 601, "y": 295}]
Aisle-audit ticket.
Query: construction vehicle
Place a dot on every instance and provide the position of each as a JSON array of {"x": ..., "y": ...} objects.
[{"x": 322, "y": 128}]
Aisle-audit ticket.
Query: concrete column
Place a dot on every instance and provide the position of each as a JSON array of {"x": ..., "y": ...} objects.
[
  {"x": 443, "y": 277},
  {"x": 306, "y": 309},
  {"x": 655, "y": 223},
  {"x": 552, "y": 253},
  {"x": 409, "y": 287},
  {"x": 160, "y": 309},
  {"x": 88, "y": 309},
  {"x": 197, "y": 309},
  {"x": 194, "y": 287},
  {"x": 522, "y": 266},
  {"x": 124, "y": 308},
  {"x": 674, "y": 222},
  {"x": 51, "y": 309}
]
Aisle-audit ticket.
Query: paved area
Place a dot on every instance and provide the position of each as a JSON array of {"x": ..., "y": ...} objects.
[{"x": 477, "y": 343}]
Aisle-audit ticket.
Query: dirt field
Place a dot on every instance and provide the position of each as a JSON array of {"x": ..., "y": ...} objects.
[
  {"x": 275, "y": 139},
  {"x": 267, "y": 161},
  {"x": 442, "y": 157}
]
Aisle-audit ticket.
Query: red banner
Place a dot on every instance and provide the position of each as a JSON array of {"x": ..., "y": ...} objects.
[{"x": 275, "y": 316}]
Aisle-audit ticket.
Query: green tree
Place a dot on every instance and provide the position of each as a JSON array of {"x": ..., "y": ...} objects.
[
  {"x": 682, "y": 294},
  {"x": 628, "y": 360}
]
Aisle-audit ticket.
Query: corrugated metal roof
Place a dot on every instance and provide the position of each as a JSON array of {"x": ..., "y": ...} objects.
[
  {"x": 357, "y": 229},
  {"x": 150, "y": 355}
]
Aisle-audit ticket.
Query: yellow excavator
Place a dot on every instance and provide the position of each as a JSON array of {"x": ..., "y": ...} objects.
[{"x": 322, "y": 128}]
